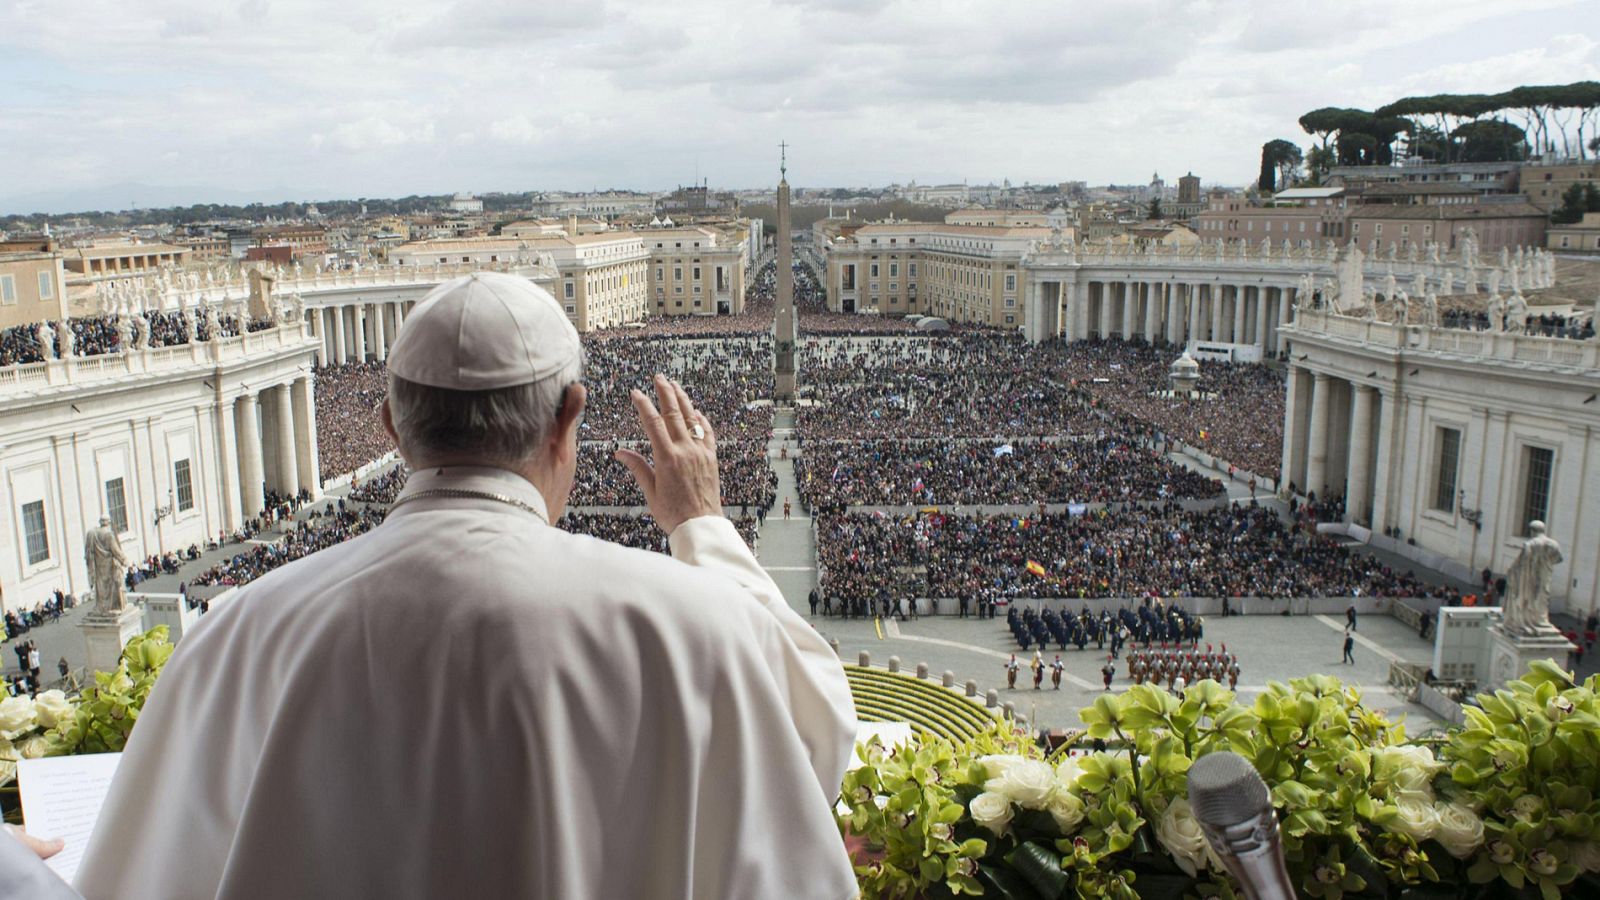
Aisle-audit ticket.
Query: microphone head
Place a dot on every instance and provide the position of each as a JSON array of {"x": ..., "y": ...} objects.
[{"x": 1226, "y": 790}]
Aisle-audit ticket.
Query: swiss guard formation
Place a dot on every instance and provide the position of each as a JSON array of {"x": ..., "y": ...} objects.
[
  {"x": 1153, "y": 622},
  {"x": 1175, "y": 664}
]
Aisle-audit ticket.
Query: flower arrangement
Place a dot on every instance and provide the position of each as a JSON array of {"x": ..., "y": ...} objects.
[
  {"x": 98, "y": 720},
  {"x": 1504, "y": 807}
]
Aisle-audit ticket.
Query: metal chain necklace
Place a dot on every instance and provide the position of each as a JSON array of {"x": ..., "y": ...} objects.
[{"x": 476, "y": 495}]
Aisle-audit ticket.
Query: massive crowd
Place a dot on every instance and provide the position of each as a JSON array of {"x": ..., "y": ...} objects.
[
  {"x": 318, "y": 532},
  {"x": 1234, "y": 551},
  {"x": 747, "y": 478},
  {"x": 730, "y": 380},
  {"x": 349, "y": 432},
  {"x": 638, "y": 531},
  {"x": 1088, "y": 470},
  {"x": 994, "y": 385}
]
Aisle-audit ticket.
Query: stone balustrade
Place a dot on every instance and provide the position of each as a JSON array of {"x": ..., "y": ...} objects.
[
  {"x": 75, "y": 370},
  {"x": 1526, "y": 349}
]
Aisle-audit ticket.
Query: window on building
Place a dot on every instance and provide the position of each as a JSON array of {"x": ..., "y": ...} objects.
[
  {"x": 47, "y": 286},
  {"x": 35, "y": 535},
  {"x": 117, "y": 505},
  {"x": 1449, "y": 461},
  {"x": 1011, "y": 282},
  {"x": 1536, "y": 490},
  {"x": 8, "y": 289},
  {"x": 696, "y": 273},
  {"x": 911, "y": 270},
  {"x": 569, "y": 290},
  {"x": 894, "y": 270},
  {"x": 185, "y": 485},
  {"x": 677, "y": 273}
]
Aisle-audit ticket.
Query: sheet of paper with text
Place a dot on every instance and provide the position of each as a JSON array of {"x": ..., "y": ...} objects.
[{"x": 61, "y": 798}]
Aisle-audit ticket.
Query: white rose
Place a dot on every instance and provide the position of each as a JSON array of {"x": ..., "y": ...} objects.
[
  {"x": 16, "y": 716},
  {"x": 1066, "y": 809},
  {"x": 1028, "y": 782},
  {"x": 51, "y": 708},
  {"x": 991, "y": 811},
  {"x": 1410, "y": 769},
  {"x": 1586, "y": 856},
  {"x": 1416, "y": 818},
  {"x": 1460, "y": 829},
  {"x": 32, "y": 747},
  {"x": 1067, "y": 774},
  {"x": 1180, "y": 834},
  {"x": 8, "y": 761},
  {"x": 995, "y": 764}
]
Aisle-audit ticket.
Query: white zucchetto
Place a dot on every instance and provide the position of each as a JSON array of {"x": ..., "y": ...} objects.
[{"x": 484, "y": 331}]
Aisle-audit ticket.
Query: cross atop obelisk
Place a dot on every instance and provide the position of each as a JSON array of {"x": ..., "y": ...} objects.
[{"x": 784, "y": 326}]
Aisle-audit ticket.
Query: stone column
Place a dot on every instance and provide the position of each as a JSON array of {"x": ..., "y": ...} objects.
[
  {"x": 1356, "y": 503},
  {"x": 1286, "y": 303},
  {"x": 358, "y": 332},
  {"x": 229, "y": 461},
  {"x": 1130, "y": 310},
  {"x": 1241, "y": 322},
  {"x": 1193, "y": 330},
  {"x": 1291, "y": 428},
  {"x": 251, "y": 493},
  {"x": 1260, "y": 336},
  {"x": 341, "y": 345},
  {"x": 1108, "y": 307},
  {"x": 1215, "y": 292},
  {"x": 1383, "y": 488},
  {"x": 1153, "y": 307},
  {"x": 1317, "y": 441},
  {"x": 307, "y": 461},
  {"x": 283, "y": 415},
  {"x": 380, "y": 332}
]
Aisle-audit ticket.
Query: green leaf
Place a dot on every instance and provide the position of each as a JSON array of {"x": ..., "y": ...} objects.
[{"x": 1041, "y": 866}]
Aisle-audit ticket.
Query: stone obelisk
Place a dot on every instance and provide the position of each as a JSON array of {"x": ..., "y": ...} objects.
[{"x": 785, "y": 324}]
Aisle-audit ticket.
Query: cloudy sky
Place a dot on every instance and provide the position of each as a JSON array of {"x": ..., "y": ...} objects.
[{"x": 307, "y": 99}]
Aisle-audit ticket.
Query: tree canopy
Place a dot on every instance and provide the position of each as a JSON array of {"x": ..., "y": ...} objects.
[{"x": 1549, "y": 120}]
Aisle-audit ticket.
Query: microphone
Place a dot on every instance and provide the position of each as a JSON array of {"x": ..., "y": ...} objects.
[{"x": 1234, "y": 809}]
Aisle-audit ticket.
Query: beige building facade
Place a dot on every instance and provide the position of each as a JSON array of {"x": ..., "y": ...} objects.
[
  {"x": 32, "y": 283},
  {"x": 696, "y": 270},
  {"x": 963, "y": 273}
]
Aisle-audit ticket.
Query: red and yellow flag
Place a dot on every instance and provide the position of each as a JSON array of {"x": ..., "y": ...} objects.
[{"x": 1035, "y": 568}]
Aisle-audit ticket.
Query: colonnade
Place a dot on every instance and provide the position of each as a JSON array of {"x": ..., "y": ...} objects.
[
  {"x": 357, "y": 332},
  {"x": 1334, "y": 441},
  {"x": 1170, "y": 310},
  {"x": 268, "y": 443}
]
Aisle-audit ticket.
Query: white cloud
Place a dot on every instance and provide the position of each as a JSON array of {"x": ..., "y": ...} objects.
[{"x": 363, "y": 97}]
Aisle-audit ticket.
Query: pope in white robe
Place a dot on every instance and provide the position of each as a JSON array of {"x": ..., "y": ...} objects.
[{"x": 467, "y": 702}]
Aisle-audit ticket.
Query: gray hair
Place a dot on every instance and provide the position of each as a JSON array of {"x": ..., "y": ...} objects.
[{"x": 505, "y": 426}]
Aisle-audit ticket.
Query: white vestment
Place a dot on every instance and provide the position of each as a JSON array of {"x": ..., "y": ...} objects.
[{"x": 468, "y": 703}]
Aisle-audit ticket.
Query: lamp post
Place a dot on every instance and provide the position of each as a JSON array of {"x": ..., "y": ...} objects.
[{"x": 163, "y": 512}]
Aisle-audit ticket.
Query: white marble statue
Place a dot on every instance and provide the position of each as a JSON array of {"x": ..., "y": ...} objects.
[
  {"x": 1433, "y": 251},
  {"x": 1389, "y": 286},
  {"x": 47, "y": 340},
  {"x": 1402, "y": 307},
  {"x": 66, "y": 345},
  {"x": 141, "y": 332},
  {"x": 1430, "y": 309},
  {"x": 1517, "y": 314},
  {"x": 1369, "y": 310},
  {"x": 1527, "y": 601},
  {"x": 1411, "y": 251},
  {"x": 1494, "y": 282},
  {"x": 1469, "y": 247},
  {"x": 108, "y": 566},
  {"x": 124, "y": 331},
  {"x": 1496, "y": 310},
  {"x": 1447, "y": 284}
]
